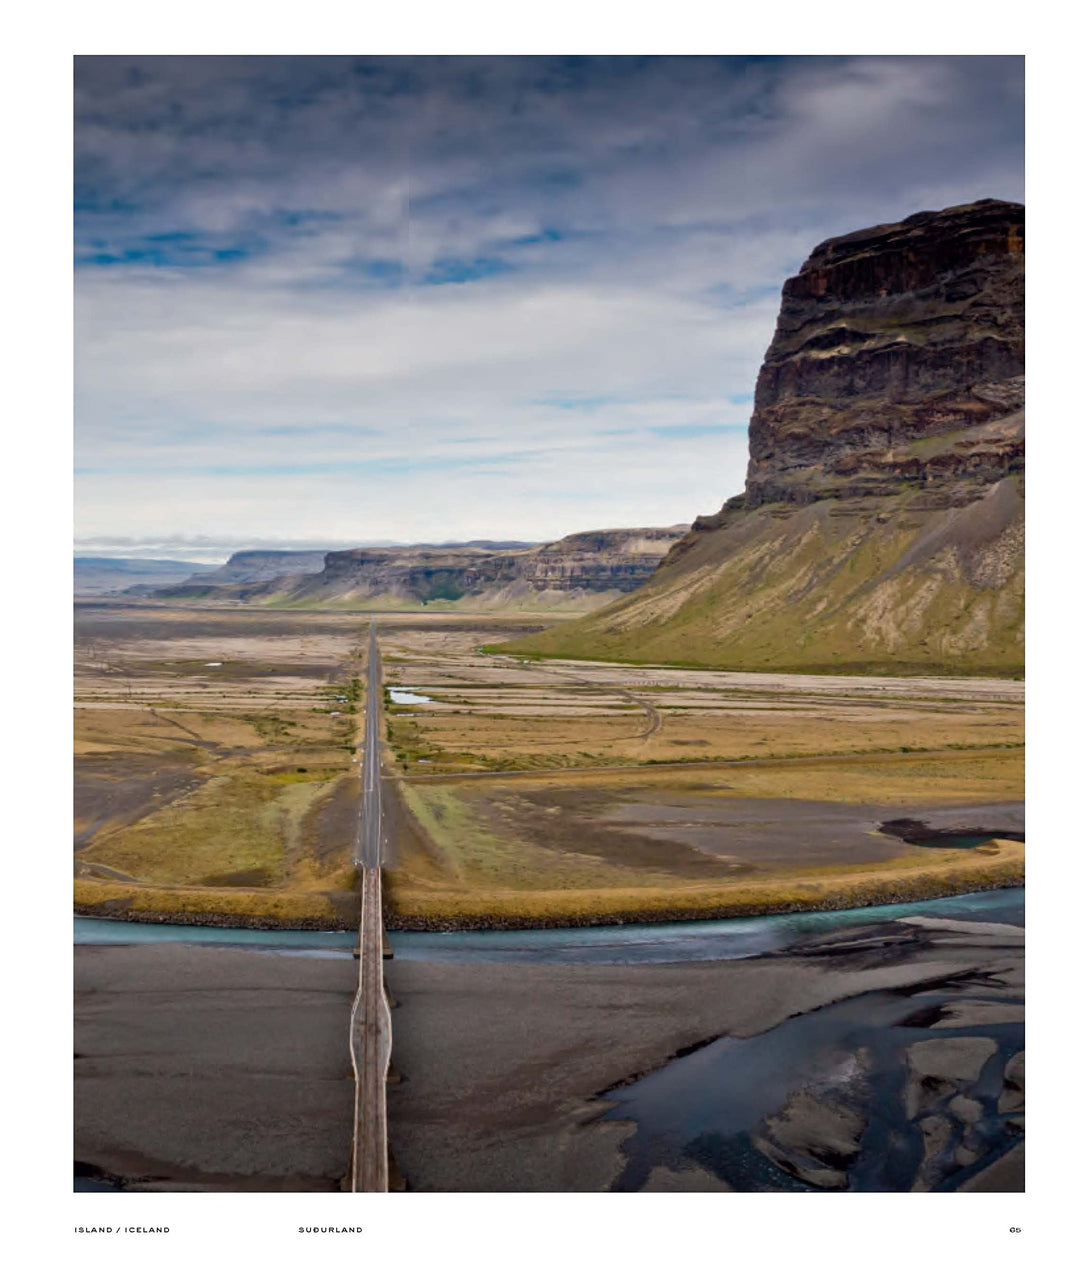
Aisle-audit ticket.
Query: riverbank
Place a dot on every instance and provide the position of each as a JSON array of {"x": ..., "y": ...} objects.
[
  {"x": 207, "y": 1068},
  {"x": 610, "y": 943},
  {"x": 998, "y": 864},
  {"x": 516, "y": 1077},
  {"x": 947, "y": 872}
]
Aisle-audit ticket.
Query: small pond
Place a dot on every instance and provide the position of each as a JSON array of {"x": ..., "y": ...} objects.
[{"x": 398, "y": 695}]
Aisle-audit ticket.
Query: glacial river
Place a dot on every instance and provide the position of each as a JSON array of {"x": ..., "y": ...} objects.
[
  {"x": 624, "y": 943},
  {"x": 705, "y": 1107}
]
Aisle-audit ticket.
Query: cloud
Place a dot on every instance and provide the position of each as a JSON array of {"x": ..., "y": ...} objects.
[{"x": 306, "y": 285}]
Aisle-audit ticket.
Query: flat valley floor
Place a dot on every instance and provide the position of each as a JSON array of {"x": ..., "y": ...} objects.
[
  {"x": 216, "y": 777},
  {"x": 216, "y": 784}
]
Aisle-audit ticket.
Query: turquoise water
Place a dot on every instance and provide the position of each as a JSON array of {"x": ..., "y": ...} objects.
[
  {"x": 623, "y": 943},
  {"x": 116, "y": 932}
]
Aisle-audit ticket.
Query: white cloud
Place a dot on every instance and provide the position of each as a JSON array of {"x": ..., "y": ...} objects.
[{"x": 665, "y": 206}]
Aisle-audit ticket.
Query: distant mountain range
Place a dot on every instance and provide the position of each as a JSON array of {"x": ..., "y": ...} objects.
[
  {"x": 579, "y": 572},
  {"x": 103, "y": 577}
]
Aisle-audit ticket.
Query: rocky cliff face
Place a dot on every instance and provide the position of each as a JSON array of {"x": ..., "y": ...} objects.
[
  {"x": 250, "y": 565},
  {"x": 581, "y": 571},
  {"x": 882, "y": 521},
  {"x": 616, "y": 559},
  {"x": 887, "y": 339},
  {"x": 576, "y": 567}
]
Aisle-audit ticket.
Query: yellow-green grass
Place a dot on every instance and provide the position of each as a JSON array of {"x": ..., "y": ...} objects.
[
  {"x": 825, "y": 588},
  {"x": 475, "y": 857},
  {"x": 941, "y": 778},
  {"x": 948, "y": 777},
  {"x": 472, "y": 740},
  {"x": 240, "y": 907},
  {"x": 249, "y": 845},
  {"x": 209, "y": 736},
  {"x": 882, "y": 778},
  {"x": 998, "y": 864},
  {"x": 467, "y": 871},
  {"x": 249, "y": 821},
  {"x": 210, "y": 790}
]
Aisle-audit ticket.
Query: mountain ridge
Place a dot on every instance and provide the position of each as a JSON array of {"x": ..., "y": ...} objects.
[
  {"x": 577, "y": 572},
  {"x": 103, "y": 576}
]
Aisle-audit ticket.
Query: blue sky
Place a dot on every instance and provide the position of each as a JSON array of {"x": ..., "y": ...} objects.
[{"x": 342, "y": 299}]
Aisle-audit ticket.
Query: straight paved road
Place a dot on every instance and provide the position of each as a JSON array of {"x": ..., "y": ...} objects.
[
  {"x": 370, "y": 1027},
  {"x": 369, "y": 842}
]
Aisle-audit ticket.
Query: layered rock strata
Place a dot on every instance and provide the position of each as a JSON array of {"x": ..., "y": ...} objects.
[
  {"x": 587, "y": 568},
  {"x": 898, "y": 358},
  {"x": 881, "y": 527},
  {"x": 252, "y": 565}
]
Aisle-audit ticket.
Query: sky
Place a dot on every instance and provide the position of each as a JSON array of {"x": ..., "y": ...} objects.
[{"x": 326, "y": 301}]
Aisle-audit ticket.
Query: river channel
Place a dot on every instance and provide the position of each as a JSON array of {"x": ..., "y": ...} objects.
[
  {"x": 731, "y": 1107},
  {"x": 708, "y": 941}
]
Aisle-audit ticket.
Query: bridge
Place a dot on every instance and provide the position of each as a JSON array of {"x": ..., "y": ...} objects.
[{"x": 369, "y": 1034}]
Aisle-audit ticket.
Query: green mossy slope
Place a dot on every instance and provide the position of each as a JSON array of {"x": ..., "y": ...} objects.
[{"x": 883, "y": 584}]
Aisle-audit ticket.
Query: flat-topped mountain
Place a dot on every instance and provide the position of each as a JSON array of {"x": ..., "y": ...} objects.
[
  {"x": 579, "y": 572},
  {"x": 882, "y": 522},
  {"x": 250, "y": 565}
]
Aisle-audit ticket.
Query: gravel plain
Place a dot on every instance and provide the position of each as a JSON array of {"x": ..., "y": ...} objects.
[{"x": 227, "y": 1069}]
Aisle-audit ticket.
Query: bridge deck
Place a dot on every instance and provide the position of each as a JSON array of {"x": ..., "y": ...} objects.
[{"x": 369, "y": 1036}]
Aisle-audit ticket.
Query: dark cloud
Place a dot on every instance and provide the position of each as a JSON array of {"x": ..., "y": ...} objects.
[
  {"x": 419, "y": 250},
  {"x": 238, "y": 152}
]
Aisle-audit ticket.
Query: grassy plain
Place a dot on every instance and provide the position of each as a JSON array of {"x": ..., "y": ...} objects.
[
  {"x": 214, "y": 770},
  {"x": 559, "y": 791},
  {"x": 215, "y": 777}
]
